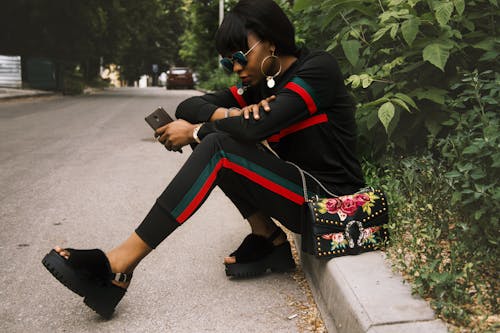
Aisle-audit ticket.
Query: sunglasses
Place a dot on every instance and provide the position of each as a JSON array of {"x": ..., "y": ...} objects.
[{"x": 239, "y": 57}]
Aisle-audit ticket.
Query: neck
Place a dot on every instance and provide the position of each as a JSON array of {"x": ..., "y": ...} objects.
[{"x": 286, "y": 62}]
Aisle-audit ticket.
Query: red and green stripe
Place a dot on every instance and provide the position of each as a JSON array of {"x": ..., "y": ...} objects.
[
  {"x": 254, "y": 172},
  {"x": 304, "y": 90},
  {"x": 311, "y": 121}
]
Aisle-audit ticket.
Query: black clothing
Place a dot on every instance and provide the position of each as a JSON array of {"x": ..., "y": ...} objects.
[
  {"x": 311, "y": 123},
  {"x": 254, "y": 179}
]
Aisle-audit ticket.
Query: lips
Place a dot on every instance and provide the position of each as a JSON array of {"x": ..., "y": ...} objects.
[{"x": 245, "y": 79}]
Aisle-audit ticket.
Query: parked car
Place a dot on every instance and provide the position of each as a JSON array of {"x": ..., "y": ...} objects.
[{"x": 180, "y": 77}]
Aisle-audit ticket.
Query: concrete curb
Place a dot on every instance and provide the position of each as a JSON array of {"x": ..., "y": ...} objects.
[
  {"x": 9, "y": 94},
  {"x": 362, "y": 294}
]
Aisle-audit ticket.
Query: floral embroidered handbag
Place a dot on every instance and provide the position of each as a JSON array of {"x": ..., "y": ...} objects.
[{"x": 343, "y": 225}]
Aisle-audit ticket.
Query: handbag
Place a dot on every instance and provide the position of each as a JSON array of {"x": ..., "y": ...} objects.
[{"x": 343, "y": 225}]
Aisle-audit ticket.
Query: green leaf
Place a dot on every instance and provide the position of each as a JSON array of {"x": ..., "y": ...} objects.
[
  {"x": 477, "y": 174},
  {"x": 496, "y": 160},
  {"x": 456, "y": 197},
  {"x": 490, "y": 55},
  {"x": 380, "y": 33},
  {"x": 471, "y": 150},
  {"x": 371, "y": 120},
  {"x": 401, "y": 103},
  {"x": 302, "y": 4},
  {"x": 354, "y": 80},
  {"x": 407, "y": 99},
  {"x": 434, "y": 94},
  {"x": 443, "y": 12},
  {"x": 437, "y": 54},
  {"x": 385, "y": 114},
  {"x": 453, "y": 174},
  {"x": 394, "y": 30},
  {"x": 459, "y": 6},
  {"x": 409, "y": 29},
  {"x": 394, "y": 2},
  {"x": 351, "y": 50},
  {"x": 487, "y": 44},
  {"x": 366, "y": 80}
]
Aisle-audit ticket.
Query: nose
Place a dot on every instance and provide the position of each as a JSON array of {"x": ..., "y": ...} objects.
[{"x": 237, "y": 67}]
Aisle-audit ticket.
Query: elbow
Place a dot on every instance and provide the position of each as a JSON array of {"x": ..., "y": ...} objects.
[{"x": 181, "y": 108}]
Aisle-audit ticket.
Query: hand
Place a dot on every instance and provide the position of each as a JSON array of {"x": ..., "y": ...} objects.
[
  {"x": 254, "y": 108},
  {"x": 176, "y": 134}
]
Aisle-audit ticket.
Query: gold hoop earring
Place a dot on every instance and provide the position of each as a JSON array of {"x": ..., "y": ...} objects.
[{"x": 270, "y": 78}]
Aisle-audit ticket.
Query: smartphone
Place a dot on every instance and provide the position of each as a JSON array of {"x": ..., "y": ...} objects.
[{"x": 158, "y": 118}]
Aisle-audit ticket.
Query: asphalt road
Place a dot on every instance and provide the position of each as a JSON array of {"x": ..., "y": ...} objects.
[{"x": 82, "y": 172}]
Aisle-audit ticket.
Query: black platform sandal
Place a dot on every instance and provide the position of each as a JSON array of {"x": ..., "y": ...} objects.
[
  {"x": 88, "y": 274},
  {"x": 257, "y": 254}
]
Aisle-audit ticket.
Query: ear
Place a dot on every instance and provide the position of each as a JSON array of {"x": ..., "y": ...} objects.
[{"x": 272, "y": 47}]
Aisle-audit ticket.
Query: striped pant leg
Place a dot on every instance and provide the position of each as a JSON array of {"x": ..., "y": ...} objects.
[{"x": 268, "y": 184}]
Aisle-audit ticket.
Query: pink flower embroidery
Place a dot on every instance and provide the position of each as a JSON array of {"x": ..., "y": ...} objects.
[
  {"x": 361, "y": 199},
  {"x": 349, "y": 206},
  {"x": 333, "y": 205},
  {"x": 338, "y": 238}
]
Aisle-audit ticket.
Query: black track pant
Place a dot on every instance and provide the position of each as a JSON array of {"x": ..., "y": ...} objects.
[{"x": 254, "y": 179}]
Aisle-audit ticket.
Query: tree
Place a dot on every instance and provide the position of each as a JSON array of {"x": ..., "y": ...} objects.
[
  {"x": 153, "y": 36},
  {"x": 197, "y": 43},
  {"x": 133, "y": 33}
]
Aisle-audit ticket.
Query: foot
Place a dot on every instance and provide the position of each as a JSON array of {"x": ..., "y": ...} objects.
[
  {"x": 276, "y": 242},
  {"x": 65, "y": 254}
]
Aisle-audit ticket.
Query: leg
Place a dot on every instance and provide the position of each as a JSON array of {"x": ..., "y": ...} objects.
[
  {"x": 269, "y": 183},
  {"x": 261, "y": 179}
]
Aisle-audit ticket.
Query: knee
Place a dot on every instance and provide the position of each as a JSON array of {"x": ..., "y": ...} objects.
[{"x": 215, "y": 141}]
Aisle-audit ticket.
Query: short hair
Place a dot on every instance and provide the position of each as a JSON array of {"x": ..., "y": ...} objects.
[{"x": 262, "y": 17}]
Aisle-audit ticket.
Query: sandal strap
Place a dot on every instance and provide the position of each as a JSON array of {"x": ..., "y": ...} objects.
[
  {"x": 95, "y": 262},
  {"x": 255, "y": 247},
  {"x": 121, "y": 277}
]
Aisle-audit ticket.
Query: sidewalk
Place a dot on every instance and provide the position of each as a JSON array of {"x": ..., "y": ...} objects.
[
  {"x": 362, "y": 294},
  {"x": 11, "y": 93}
]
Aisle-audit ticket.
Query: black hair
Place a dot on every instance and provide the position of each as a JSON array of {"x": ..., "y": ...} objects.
[{"x": 262, "y": 17}]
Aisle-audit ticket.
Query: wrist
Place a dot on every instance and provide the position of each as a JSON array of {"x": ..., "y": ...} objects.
[
  {"x": 195, "y": 133},
  {"x": 229, "y": 114}
]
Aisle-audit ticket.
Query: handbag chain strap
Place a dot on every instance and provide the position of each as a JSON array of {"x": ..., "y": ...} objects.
[
  {"x": 302, "y": 174},
  {"x": 304, "y": 186}
]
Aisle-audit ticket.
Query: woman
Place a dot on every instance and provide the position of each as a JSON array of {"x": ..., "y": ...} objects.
[{"x": 293, "y": 98}]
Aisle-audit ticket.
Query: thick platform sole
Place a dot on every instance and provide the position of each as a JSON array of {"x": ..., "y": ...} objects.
[
  {"x": 280, "y": 260},
  {"x": 99, "y": 296}
]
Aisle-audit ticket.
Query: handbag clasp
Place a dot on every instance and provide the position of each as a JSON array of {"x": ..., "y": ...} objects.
[{"x": 349, "y": 235}]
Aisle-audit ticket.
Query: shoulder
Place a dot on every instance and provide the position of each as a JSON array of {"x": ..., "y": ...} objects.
[
  {"x": 317, "y": 58},
  {"x": 318, "y": 63}
]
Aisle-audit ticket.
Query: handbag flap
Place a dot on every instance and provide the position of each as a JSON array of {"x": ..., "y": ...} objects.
[
  {"x": 368, "y": 207},
  {"x": 348, "y": 224}
]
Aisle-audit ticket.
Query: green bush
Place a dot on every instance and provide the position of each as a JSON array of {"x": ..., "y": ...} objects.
[
  {"x": 472, "y": 156},
  {"x": 432, "y": 244},
  {"x": 401, "y": 58},
  {"x": 424, "y": 75}
]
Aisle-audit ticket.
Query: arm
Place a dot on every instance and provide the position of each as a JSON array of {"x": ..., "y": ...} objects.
[
  {"x": 299, "y": 99},
  {"x": 206, "y": 108}
]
